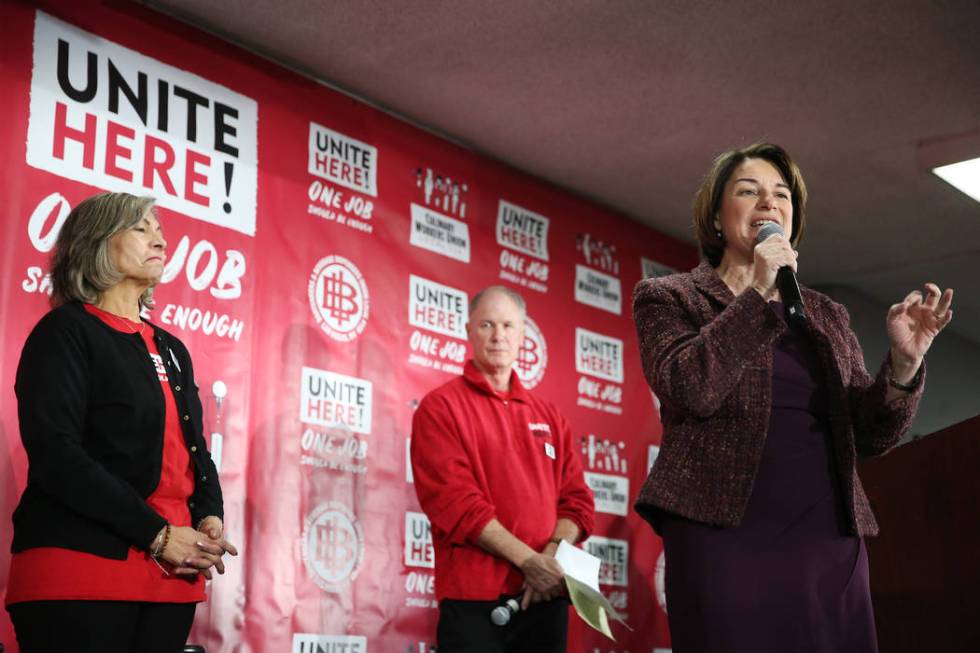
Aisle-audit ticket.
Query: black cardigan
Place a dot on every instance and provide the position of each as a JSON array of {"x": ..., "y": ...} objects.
[{"x": 91, "y": 414}]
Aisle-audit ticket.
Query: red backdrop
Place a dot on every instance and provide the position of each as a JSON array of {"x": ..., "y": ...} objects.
[{"x": 321, "y": 257}]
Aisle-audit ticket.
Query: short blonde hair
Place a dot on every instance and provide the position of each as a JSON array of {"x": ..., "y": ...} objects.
[
  {"x": 707, "y": 201},
  {"x": 81, "y": 268}
]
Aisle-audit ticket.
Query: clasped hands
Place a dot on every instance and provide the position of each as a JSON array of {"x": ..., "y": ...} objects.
[
  {"x": 543, "y": 577},
  {"x": 192, "y": 551}
]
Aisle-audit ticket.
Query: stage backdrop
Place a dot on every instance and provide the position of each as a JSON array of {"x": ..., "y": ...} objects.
[{"x": 321, "y": 257}]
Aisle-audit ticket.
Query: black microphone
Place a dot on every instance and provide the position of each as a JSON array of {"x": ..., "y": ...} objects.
[
  {"x": 789, "y": 288},
  {"x": 502, "y": 613}
]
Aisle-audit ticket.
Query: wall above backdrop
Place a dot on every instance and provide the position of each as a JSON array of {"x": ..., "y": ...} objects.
[{"x": 628, "y": 102}]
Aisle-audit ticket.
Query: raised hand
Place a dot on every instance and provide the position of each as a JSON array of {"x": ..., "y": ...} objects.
[{"x": 913, "y": 324}]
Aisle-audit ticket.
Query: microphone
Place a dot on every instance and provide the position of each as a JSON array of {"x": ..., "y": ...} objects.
[
  {"x": 502, "y": 613},
  {"x": 789, "y": 288}
]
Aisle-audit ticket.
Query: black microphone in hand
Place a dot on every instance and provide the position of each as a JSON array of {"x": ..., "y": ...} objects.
[
  {"x": 502, "y": 613},
  {"x": 789, "y": 288}
]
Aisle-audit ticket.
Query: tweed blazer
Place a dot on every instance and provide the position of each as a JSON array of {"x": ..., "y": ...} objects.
[{"x": 707, "y": 355}]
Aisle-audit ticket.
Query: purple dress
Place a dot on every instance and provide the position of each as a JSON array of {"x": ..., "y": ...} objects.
[{"x": 786, "y": 578}]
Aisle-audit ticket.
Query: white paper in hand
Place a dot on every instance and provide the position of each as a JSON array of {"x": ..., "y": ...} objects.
[
  {"x": 580, "y": 565},
  {"x": 582, "y": 579}
]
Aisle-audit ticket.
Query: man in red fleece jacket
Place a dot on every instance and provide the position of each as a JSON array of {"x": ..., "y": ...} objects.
[{"x": 497, "y": 473}]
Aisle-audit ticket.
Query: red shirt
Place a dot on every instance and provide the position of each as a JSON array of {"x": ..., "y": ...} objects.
[
  {"x": 51, "y": 573},
  {"x": 479, "y": 455}
]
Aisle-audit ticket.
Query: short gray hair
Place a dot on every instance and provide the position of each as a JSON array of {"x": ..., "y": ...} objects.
[
  {"x": 509, "y": 292},
  {"x": 81, "y": 268}
]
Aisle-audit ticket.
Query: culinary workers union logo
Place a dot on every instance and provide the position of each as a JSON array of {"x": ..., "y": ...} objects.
[
  {"x": 532, "y": 357},
  {"x": 339, "y": 298},
  {"x": 333, "y": 546}
]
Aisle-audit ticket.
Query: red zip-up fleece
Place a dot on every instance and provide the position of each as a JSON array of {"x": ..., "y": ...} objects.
[{"x": 479, "y": 455}]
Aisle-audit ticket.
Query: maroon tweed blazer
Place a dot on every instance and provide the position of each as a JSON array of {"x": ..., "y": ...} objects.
[{"x": 708, "y": 356}]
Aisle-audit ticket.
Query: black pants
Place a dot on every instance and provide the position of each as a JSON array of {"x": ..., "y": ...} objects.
[
  {"x": 465, "y": 627},
  {"x": 101, "y": 626}
]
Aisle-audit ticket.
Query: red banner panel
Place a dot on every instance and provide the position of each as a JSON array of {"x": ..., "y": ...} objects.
[{"x": 321, "y": 259}]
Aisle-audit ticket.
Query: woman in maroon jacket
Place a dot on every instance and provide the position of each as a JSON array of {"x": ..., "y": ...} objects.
[{"x": 755, "y": 490}]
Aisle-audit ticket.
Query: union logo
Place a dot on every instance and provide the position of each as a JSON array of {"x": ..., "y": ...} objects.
[
  {"x": 333, "y": 546},
  {"x": 597, "y": 253},
  {"x": 339, "y": 298},
  {"x": 532, "y": 357}
]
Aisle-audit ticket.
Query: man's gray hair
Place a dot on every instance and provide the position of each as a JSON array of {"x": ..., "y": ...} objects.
[{"x": 509, "y": 292}]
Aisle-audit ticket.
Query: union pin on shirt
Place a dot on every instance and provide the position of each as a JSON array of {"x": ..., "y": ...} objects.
[{"x": 549, "y": 450}]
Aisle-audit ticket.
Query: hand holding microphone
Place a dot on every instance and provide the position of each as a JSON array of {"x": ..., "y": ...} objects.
[{"x": 774, "y": 261}]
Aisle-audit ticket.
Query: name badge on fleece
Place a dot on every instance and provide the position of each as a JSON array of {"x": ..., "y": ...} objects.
[{"x": 549, "y": 450}]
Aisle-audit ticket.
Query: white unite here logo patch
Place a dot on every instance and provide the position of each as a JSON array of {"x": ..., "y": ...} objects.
[
  {"x": 343, "y": 160},
  {"x": 522, "y": 230},
  {"x": 110, "y": 117},
  {"x": 332, "y": 546},
  {"x": 614, "y": 555},
  {"x": 598, "y": 355},
  {"x": 339, "y": 298},
  {"x": 438, "y": 308},
  {"x": 335, "y": 400},
  {"x": 418, "y": 541},
  {"x": 532, "y": 357},
  {"x": 318, "y": 643}
]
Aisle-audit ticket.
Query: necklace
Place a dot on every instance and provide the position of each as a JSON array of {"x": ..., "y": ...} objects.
[{"x": 126, "y": 324}]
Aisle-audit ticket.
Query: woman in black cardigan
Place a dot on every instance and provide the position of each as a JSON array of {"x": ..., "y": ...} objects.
[{"x": 121, "y": 519}]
